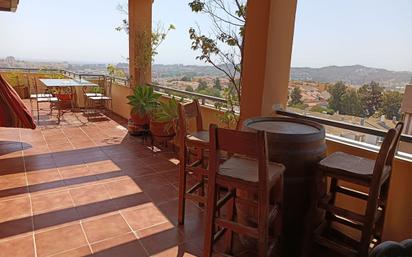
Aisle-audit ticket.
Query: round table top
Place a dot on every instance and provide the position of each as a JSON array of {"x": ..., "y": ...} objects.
[{"x": 283, "y": 127}]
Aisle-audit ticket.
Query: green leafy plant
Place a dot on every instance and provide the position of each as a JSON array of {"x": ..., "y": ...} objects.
[
  {"x": 167, "y": 112},
  {"x": 144, "y": 100}
]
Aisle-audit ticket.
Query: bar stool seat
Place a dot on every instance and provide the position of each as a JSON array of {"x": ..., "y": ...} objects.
[
  {"x": 246, "y": 169},
  {"x": 351, "y": 166},
  {"x": 198, "y": 139}
]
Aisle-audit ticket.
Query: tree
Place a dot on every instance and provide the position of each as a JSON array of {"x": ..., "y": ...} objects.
[
  {"x": 112, "y": 70},
  {"x": 223, "y": 47},
  {"x": 186, "y": 78},
  {"x": 189, "y": 88},
  {"x": 217, "y": 84},
  {"x": 371, "y": 98},
  {"x": 391, "y": 104},
  {"x": 336, "y": 92},
  {"x": 351, "y": 104},
  {"x": 296, "y": 96},
  {"x": 202, "y": 85}
]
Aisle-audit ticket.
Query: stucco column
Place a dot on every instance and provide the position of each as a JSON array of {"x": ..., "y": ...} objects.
[
  {"x": 140, "y": 29},
  {"x": 268, "y": 48}
]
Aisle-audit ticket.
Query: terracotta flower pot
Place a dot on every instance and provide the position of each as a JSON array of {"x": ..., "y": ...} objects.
[
  {"x": 162, "y": 129},
  {"x": 139, "y": 120}
]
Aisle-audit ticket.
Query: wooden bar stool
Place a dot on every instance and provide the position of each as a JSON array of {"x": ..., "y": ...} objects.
[
  {"x": 194, "y": 143},
  {"x": 248, "y": 170},
  {"x": 373, "y": 174}
]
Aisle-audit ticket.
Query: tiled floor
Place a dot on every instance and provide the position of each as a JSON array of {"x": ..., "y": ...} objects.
[{"x": 88, "y": 189}]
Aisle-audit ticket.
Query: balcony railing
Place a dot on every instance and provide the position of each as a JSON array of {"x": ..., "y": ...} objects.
[{"x": 210, "y": 101}]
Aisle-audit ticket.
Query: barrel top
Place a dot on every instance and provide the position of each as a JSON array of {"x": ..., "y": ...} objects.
[{"x": 287, "y": 126}]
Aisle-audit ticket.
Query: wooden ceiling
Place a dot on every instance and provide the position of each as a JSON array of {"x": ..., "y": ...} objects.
[{"x": 8, "y": 5}]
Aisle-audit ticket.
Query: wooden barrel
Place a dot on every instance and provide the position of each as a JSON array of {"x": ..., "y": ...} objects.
[{"x": 299, "y": 145}]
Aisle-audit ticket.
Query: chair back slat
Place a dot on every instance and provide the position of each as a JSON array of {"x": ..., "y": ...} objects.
[
  {"x": 239, "y": 142},
  {"x": 190, "y": 111},
  {"x": 248, "y": 144},
  {"x": 387, "y": 152}
]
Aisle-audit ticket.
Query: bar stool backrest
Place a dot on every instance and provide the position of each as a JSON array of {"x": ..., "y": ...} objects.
[
  {"x": 387, "y": 152},
  {"x": 189, "y": 111},
  {"x": 248, "y": 144}
]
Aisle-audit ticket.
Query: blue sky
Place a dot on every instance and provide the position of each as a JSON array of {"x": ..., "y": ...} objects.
[{"x": 328, "y": 32}]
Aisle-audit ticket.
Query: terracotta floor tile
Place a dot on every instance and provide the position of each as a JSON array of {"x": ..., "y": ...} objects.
[
  {"x": 19, "y": 247},
  {"x": 160, "y": 194},
  {"x": 59, "y": 240},
  {"x": 41, "y": 177},
  {"x": 124, "y": 246},
  {"x": 12, "y": 181},
  {"x": 15, "y": 209},
  {"x": 105, "y": 228},
  {"x": 79, "y": 252},
  {"x": 51, "y": 202},
  {"x": 123, "y": 187},
  {"x": 16, "y": 228},
  {"x": 144, "y": 217},
  {"x": 55, "y": 219},
  {"x": 166, "y": 233},
  {"x": 89, "y": 194},
  {"x": 181, "y": 250}
]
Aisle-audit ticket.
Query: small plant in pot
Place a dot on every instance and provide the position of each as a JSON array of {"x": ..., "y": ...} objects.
[
  {"x": 143, "y": 101},
  {"x": 164, "y": 121}
]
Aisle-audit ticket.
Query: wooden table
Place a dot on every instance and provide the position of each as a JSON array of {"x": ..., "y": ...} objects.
[{"x": 299, "y": 145}]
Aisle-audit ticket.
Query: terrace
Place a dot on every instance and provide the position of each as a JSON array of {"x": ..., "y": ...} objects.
[{"x": 87, "y": 188}]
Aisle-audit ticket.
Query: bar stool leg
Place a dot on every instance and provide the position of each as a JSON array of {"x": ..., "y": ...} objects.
[
  {"x": 263, "y": 231},
  {"x": 210, "y": 217},
  {"x": 230, "y": 216},
  {"x": 182, "y": 184}
]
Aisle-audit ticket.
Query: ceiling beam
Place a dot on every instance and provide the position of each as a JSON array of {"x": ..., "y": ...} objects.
[{"x": 9, "y": 5}]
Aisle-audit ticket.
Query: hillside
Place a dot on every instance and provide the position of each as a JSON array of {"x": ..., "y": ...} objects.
[{"x": 355, "y": 74}]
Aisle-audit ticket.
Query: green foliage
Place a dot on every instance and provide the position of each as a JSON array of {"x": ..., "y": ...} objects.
[
  {"x": 189, "y": 89},
  {"x": 167, "y": 111},
  {"x": 186, "y": 78},
  {"x": 217, "y": 84},
  {"x": 351, "y": 104},
  {"x": 336, "y": 92},
  {"x": 321, "y": 109},
  {"x": 296, "y": 96},
  {"x": 391, "y": 104},
  {"x": 223, "y": 49},
  {"x": 112, "y": 70},
  {"x": 210, "y": 91},
  {"x": 144, "y": 100},
  {"x": 202, "y": 85},
  {"x": 300, "y": 106},
  {"x": 371, "y": 98}
]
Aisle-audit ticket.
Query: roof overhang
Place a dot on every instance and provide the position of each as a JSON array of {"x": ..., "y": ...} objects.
[{"x": 9, "y": 5}]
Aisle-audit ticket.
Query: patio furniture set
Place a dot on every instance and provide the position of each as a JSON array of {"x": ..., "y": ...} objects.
[
  {"x": 65, "y": 94},
  {"x": 273, "y": 182}
]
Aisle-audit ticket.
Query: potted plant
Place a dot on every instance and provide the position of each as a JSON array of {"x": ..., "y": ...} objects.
[
  {"x": 164, "y": 121},
  {"x": 143, "y": 101}
]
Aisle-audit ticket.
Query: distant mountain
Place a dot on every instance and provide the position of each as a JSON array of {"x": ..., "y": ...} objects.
[{"x": 355, "y": 75}]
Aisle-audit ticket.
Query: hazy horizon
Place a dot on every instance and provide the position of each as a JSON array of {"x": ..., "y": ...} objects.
[{"x": 372, "y": 33}]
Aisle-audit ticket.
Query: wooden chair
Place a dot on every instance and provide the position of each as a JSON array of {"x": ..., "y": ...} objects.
[
  {"x": 373, "y": 174},
  {"x": 191, "y": 143},
  {"x": 250, "y": 172}
]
